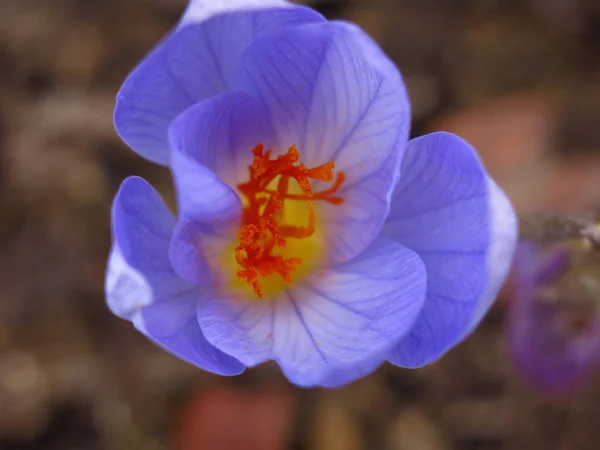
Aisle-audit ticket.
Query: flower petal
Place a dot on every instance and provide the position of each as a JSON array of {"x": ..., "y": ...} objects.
[
  {"x": 141, "y": 282},
  {"x": 199, "y": 10},
  {"x": 342, "y": 376},
  {"x": 212, "y": 141},
  {"x": 332, "y": 92},
  {"x": 195, "y": 62},
  {"x": 504, "y": 236},
  {"x": 201, "y": 195},
  {"x": 220, "y": 133},
  {"x": 139, "y": 272},
  {"x": 341, "y": 322},
  {"x": 127, "y": 290},
  {"x": 195, "y": 249},
  {"x": 444, "y": 209},
  {"x": 173, "y": 325}
]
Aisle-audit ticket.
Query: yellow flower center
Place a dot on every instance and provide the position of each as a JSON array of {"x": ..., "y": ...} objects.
[{"x": 273, "y": 241}]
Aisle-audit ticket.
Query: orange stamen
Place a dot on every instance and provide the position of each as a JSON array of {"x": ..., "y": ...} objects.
[{"x": 260, "y": 230}]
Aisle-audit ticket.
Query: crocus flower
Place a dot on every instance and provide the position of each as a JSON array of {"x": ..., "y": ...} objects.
[
  {"x": 309, "y": 231},
  {"x": 554, "y": 332}
]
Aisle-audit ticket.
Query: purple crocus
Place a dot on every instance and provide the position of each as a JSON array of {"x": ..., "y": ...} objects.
[
  {"x": 554, "y": 332},
  {"x": 309, "y": 231}
]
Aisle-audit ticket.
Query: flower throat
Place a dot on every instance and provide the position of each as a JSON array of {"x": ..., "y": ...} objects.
[{"x": 261, "y": 230}]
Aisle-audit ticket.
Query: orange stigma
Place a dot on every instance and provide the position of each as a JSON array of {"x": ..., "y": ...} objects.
[{"x": 261, "y": 231}]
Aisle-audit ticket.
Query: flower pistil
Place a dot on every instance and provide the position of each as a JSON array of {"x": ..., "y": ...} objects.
[{"x": 262, "y": 229}]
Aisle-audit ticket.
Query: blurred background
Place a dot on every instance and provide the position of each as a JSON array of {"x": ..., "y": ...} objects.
[{"x": 520, "y": 79}]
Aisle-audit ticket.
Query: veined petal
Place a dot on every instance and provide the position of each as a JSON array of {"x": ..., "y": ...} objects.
[
  {"x": 196, "y": 248},
  {"x": 444, "y": 208},
  {"x": 220, "y": 133},
  {"x": 332, "y": 92},
  {"x": 141, "y": 281},
  {"x": 337, "y": 323},
  {"x": 196, "y": 61},
  {"x": 208, "y": 222},
  {"x": 212, "y": 143},
  {"x": 139, "y": 272},
  {"x": 342, "y": 376},
  {"x": 173, "y": 325},
  {"x": 202, "y": 196}
]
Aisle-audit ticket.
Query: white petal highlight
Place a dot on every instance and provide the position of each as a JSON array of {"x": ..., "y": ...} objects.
[
  {"x": 127, "y": 290},
  {"x": 199, "y": 10},
  {"x": 503, "y": 240}
]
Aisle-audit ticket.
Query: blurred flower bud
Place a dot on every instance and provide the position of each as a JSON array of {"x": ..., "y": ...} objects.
[{"x": 554, "y": 318}]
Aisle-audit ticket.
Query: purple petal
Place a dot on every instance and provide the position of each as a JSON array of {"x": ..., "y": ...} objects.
[
  {"x": 210, "y": 212},
  {"x": 195, "y": 249},
  {"x": 173, "y": 325},
  {"x": 220, "y": 133},
  {"x": 554, "y": 343},
  {"x": 139, "y": 272},
  {"x": 332, "y": 92},
  {"x": 442, "y": 209},
  {"x": 201, "y": 195},
  {"x": 328, "y": 329},
  {"x": 212, "y": 141},
  {"x": 341, "y": 376},
  {"x": 140, "y": 280},
  {"x": 195, "y": 62}
]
